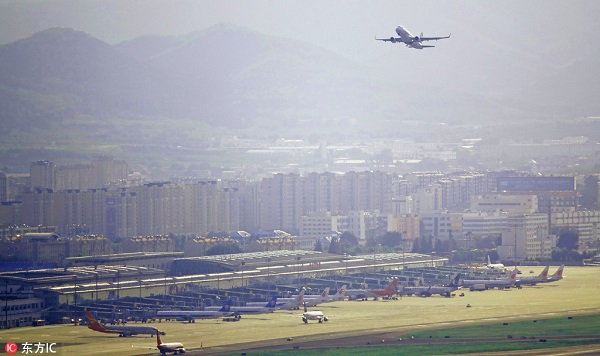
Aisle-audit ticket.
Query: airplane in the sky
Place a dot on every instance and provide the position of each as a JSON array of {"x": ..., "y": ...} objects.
[
  {"x": 500, "y": 283},
  {"x": 409, "y": 39},
  {"x": 252, "y": 309},
  {"x": 191, "y": 315},
  {"x": 313, "y": 315},
  {"x": 558, "y": 275},
  {"x": 389, "y": 292},
  {"x": 428, "y": 291},
  {"x": 533, "y": 280},
  {"x": 122, "y": 330},
  {"x": 174, "y": 347}
]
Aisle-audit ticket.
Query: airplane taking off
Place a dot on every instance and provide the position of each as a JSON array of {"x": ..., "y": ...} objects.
[
  {"x": 532, "y": 280},
  {"x": 122, "y": 330},
  {"x": 501, "y": 283},
  {"x": 313, "y": 315},
  {"x": 174, "y": 347},
  {"x": 389, "y": 291},
  {"x": 428, "y": 291},
  {"x": 409, "y": 39},
  {"x": 191, "y": 315}
]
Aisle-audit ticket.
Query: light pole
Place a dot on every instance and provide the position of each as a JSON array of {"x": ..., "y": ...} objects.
[
  {"x": 118, "y": 284},
  {"x": 242, "y": 267},
  {"x": 403, "y": 248},
  {"x": 75, "y": 293},
  {"x": 96, "y": 276},
  {"x": 6, "y": 303},
  {"x": 268, "y": 275},
  {"x": 298, "y": 270}
]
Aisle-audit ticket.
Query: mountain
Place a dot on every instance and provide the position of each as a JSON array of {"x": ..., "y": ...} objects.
[
  {"x": 231, "y": 77},
  {"x": 58, "y": 73}
]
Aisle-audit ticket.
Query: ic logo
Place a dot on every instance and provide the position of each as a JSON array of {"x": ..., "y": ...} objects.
[{"x": 11, "y": 348}]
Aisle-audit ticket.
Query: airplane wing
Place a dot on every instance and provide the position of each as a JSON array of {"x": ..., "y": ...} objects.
[
  {"x": 433, "y": 38},
  {"x": 391, "y": 39}
]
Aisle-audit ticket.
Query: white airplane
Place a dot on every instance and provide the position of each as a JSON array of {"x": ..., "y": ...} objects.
[
  {"x": 191, "y": 315},
  {"x": 313, "y": 315},
  {"x": 339, "y": 295},
  {"x": 291, "y": 303},
  {"x": 498, "y": 266},
  {"x": 252, "y": 309},
  {"x": 122, "y": 330},
  {"x": 428, "y": 291},
  {"x": 312, "y": 300},
  {"x": 532, "y": 280},
  {"x": 558, "y": 275},
  {"x": 174, "y": 347},
  {"x": 501, "y": 283},
  {"x": 409, "y": 39}
]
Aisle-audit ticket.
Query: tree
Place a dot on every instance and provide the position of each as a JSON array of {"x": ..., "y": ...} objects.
[
  {"x": 335, "y": 246},
  {"x": 318, "y": 246},
  {"x": 390, "y": 239},
  {"x": 224, "y": 248},
  {"x": 348, "y": 239},
  {"x": 568, "y": 238}
]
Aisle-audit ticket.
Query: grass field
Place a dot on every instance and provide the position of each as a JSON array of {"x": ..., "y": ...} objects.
[{"x": 576, "y": 295}]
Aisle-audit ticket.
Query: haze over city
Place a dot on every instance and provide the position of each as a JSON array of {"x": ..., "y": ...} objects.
[{"x": 511, "y": 72}]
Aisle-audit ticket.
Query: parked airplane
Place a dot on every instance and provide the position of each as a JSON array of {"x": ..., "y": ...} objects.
[
  {"x": 122, "y": 330},
  {"x": 558, "y": 275},
  {"x": 266, "y": 308},
  {"x": 428, "y": 291},
  {"x": 339, "y": 295},
  {"x": 174, "y": 347},
  {"x": 532, "y": 280},
  {"x": 501, "y": 283},
  {"x": 313, "y": 315},
  {"x": 491, "y": 265},
  {"x": 389, "y": 291},
  {"x": 191, "y": 315},
  {"x": 409, "y": 39},
  {"x": 291, "y": 303},
  {"x": 313, "y": 300}
]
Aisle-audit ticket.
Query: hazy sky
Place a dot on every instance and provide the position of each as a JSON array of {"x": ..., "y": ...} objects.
[
  {"x": 346, "y": 26},
  {"x": 494, "y": 44}
]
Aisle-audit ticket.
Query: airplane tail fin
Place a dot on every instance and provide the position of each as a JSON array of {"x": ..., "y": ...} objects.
[
  {"x": 272, "y": 303},
  {"x": 391, "y": 288},
  {"x": 93, "y": 323},
  {"x": 489, "y": 260},
  {"x": 158, "y": 342},
  {"x": 226, "y": 307},
  {"x": 513, "y": 274},
  {"x": 300, "y": 296},
  {"x": 325, "y": 293},
  {"x": 544, "y": 273},
  {"x": 340, "y": 292},
  {"x": 559, "y": 271},
  {"x": 455, "y": 281}
]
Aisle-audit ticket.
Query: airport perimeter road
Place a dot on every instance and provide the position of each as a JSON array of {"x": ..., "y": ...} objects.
[{"x": 576, "y": 294}]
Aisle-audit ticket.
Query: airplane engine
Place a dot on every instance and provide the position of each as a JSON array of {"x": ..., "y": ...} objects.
[
  {"x": 392, "y": 39},
  {"x": 416, "y": 39}
]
